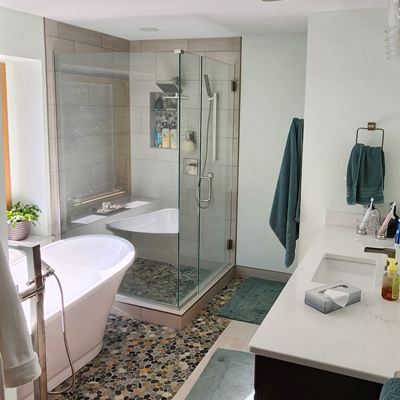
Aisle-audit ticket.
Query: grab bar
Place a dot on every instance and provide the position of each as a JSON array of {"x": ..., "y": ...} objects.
[{"x": 198, "y": 180}]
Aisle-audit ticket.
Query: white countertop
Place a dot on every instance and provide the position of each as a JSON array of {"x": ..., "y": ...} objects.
[{"x": 361, "y": 340}]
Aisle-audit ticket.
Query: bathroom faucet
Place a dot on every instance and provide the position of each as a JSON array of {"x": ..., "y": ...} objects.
[{"x": 391, "y": 253}]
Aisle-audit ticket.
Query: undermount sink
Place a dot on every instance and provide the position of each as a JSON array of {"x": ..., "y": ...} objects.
[{"x": 359, "y": 272}]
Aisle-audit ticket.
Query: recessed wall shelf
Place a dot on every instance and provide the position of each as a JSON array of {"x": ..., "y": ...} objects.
[{"x": 163, "y": 112}]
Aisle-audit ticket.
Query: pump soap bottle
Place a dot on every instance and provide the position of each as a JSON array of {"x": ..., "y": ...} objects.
[{"x": 390, "y": 282}]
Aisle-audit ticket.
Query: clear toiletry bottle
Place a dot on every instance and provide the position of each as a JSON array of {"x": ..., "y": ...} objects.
[
  {"x": 390, "y": 282},
  {"x": 166, "y": 136},
  {"x": 173, "y": 136},
  {"x": 159, "y": 135}
]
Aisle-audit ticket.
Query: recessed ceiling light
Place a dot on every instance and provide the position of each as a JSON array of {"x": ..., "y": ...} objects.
[{"x": 149, "y": 29}]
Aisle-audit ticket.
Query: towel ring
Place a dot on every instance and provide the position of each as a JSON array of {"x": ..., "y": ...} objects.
[{"x": 371, "y": 127}]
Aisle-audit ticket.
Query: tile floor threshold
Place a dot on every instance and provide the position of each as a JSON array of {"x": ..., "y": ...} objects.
[{"x": 236, "y": 336}]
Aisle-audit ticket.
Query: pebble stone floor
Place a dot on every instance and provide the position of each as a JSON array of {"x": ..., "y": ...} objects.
[
  {"x": 147, "y": 361},
  {"x": 158, "y": 281}
]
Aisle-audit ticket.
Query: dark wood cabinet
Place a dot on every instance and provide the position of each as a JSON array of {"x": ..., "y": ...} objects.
[{"x": 281, "y": 380}]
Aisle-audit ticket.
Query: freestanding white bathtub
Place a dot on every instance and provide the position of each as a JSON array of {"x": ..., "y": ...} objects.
[
  {"x": 158, "y": 222},
  {"x": 90, "y": 269},
  {"x": 154, "y": 235}
]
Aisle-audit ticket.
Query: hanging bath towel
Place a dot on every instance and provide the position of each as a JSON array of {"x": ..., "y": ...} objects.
[
  {"x": 18, "y": 362},
  {"x": 285, "y": 213},
  {"x": 365, "y": 175}
]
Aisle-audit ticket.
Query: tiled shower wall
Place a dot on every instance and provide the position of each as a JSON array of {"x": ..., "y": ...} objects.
[
  {"x": 64, "y": 38},
  {"x": 68, "y": 39}
]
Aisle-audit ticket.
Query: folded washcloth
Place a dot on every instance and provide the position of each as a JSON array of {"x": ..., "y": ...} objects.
[
  {"x": 285, "y": 213},
  {"x": 391, "y": 390},
  {"x": 365, "y": 175}
]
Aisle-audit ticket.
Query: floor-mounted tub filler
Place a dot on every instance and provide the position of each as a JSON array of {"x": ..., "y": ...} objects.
[{"x": 90, "y": 269}]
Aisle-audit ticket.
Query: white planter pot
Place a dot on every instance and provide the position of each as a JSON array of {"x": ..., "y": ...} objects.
[{"x": 20, "y": 232}]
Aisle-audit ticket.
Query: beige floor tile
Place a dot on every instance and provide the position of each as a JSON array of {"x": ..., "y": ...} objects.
[
  {"x": 223, "y": 342},
  {"x": 184, "y": 390},
  {"x": 240, "y": 330}
]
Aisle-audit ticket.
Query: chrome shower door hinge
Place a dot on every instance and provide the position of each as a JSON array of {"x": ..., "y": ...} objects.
[
  {"x": 229, "y": 244},
  {"x": 234, "y": 86}
]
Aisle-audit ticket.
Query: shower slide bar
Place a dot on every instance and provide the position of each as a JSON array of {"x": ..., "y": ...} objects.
[{"x": 214, "y": 99}]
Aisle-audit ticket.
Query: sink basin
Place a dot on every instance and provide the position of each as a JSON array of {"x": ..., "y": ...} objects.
[{"x": 359, "y": 272}]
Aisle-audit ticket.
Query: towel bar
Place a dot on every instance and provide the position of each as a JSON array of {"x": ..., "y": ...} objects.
[{"x": 371, "y": 126}]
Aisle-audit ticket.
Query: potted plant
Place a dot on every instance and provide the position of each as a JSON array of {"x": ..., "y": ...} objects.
[{"x": 19, "y": 219}]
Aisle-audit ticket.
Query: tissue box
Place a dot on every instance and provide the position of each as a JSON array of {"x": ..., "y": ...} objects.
[{"x": 316, "y": 299}]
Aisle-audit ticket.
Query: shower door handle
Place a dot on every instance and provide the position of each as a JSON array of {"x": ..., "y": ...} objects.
[{"x": 198, "y": 180}]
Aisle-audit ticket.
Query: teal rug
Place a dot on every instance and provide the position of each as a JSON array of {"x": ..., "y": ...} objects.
[
  {"x": 252, "y": 301},
  {"x": 228, "y": 375}
]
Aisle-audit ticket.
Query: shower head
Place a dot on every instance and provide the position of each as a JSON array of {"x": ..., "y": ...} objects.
[
  {"x": 169, "y": 86},
  {"x": 208, "y": 87}
]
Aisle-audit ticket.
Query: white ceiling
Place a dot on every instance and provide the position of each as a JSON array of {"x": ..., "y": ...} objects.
[{"x": 186, "y": 18}]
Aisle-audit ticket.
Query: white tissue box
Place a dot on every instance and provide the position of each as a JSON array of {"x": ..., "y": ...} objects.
[{"x": 316, "y": 299}]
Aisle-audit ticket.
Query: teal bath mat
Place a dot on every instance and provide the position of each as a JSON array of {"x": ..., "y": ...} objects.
[
  {"x": 252, "y": 301},
  {"x": 228, "y": 375}
]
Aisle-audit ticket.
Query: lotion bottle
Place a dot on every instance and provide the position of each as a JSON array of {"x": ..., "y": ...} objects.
[
  {"x": 173, "y": 136},
  {"x": 390, "y": 282},
  {"x": 166, "y": 137}
]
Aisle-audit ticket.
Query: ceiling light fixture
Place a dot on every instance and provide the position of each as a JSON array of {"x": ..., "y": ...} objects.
[{"x": 149, "y": 29}]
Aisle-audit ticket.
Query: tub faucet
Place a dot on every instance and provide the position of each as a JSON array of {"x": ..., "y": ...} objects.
[{"x": 36, "y": 279}]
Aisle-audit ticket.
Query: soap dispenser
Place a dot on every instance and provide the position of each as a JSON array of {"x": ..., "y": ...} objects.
[{"x": 390, "y": 282}]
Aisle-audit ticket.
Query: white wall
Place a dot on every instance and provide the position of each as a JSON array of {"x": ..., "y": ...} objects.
[
  {"x": 349, "y": 82},
  {"x": 22, "y": 49},
  {"x": 273, "y": 90}
]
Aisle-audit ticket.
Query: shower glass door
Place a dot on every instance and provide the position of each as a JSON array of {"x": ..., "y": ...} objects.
[
  {"x": 215, "y": 168},
  {"x": 205, "y": 182}
]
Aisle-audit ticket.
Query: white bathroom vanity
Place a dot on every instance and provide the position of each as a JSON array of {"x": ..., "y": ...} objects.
[{"x": 347, "y": 354}]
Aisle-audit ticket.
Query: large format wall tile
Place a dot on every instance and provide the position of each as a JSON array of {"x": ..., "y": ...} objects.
[
  {"x": 114, "y": 43},
  {"x": 164, "y": 45},
  {"x": 215, "y": 44},
  {"x": 77, "y": 34}
]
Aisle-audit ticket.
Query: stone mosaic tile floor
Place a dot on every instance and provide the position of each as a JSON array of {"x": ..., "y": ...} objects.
[
  {"x": 147, "y": 361},
  {"x": 158, "y": 281}
]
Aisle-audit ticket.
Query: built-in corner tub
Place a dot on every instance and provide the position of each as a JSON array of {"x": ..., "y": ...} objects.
[
  {"x": 155, "y": 235},
  {"x": 90, "y": 269}
]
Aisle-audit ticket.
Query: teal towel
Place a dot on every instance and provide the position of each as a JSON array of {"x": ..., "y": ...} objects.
[
  {"x": 391, "y": 390},
  {"x": 285, "y": 213},
  {"x": 365, "y": 175}
]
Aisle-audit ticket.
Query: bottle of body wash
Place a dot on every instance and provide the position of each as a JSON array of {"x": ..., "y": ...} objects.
[
  {"x": 390, "y": 282},
  {"x": 173, "y": 136},
  {"x": 166, "y": 137}
]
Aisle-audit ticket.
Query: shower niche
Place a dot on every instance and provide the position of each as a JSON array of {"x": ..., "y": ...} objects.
[{"x": 163, "y": 114}]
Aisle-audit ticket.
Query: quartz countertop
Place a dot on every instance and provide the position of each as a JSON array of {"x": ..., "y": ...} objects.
[{"x": 361, "y": 340}]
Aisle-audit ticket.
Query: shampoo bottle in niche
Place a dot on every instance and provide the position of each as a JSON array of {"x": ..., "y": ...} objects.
[
  {"x": 390, "y": 282},
  {"x": 166, "y": 136},
  {"x": 173, "y": 136}
]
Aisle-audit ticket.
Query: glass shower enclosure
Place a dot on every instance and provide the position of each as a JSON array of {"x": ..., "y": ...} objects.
[{"x": 144, "y": 144}]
